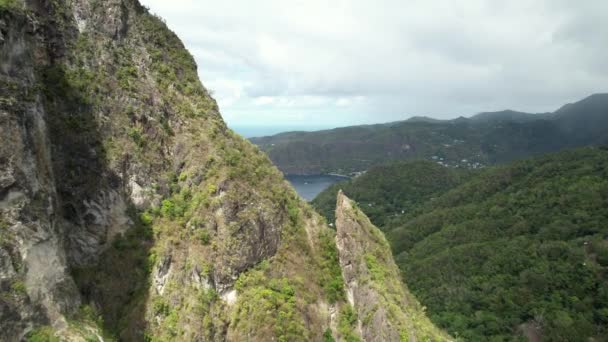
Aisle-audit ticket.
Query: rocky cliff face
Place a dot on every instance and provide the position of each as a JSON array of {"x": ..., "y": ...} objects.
[
  {"x": 127, "y": 209},
  {"x": 383, "y": 307},
  {"x": 34, "y": 277}
]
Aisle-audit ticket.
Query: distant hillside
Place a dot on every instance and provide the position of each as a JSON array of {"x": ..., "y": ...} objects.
[
  {"x": 484, "y": 139},
  {"x": 422, "y": 119},
  {"x": 585, "y": 121},
  {"x": 516, "y": 250},
  {"x": 387, "y": 191},
  {"x": 509, "y": 115}
]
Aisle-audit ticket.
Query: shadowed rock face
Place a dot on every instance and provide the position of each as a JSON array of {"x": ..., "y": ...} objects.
[
  {"x": 34, "y": 275},
  {"x": 385, "y": 309}
]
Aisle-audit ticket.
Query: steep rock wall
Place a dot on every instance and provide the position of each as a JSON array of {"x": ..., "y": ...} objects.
[{"x": 383, "y": 308}]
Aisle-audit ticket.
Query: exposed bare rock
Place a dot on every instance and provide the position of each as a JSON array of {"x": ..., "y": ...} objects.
[
  {"x": 385, "y": 310},
  {"x": 38, "y": 288},
  {"x": 162, "y": 273}
]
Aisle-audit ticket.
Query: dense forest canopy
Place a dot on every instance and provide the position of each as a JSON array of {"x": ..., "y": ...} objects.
[{"x": 515, "y": 250}]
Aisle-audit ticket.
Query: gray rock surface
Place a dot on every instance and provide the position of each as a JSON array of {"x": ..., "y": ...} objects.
[{"x": 385, "y": 309}]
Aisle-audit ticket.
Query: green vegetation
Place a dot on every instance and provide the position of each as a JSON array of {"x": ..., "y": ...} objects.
[
  {"x": 382, "y": 295},
  {"x": 203, "y": 236},
  {"x": 269, "y": 302},
  {"x": 172, "y": 63},
  {"x": 5, "y": 233},
  {"x": 127, "y": 77},
  {"x": 160, "y": 307},
  {"x": 515, "y": 245},
  {"x": 387, "y": 191},
  {"x": 43, "y": 334},
  {"x": 506, "y": 249},
  {"x": 8, "y": 4},
  {"x": 18, "y": 287},
  {"x": 378, "y": 273},
  {"x": 138, "y": 137},
  {"x": 348, "y": 324},
  {"x": 331, "y": 273},
  {"x": 87, "y": 324},
  {"x": 327, "y": 337}
]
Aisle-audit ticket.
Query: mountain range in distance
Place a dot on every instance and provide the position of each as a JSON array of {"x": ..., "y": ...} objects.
[{"x": 483, "y": 139}]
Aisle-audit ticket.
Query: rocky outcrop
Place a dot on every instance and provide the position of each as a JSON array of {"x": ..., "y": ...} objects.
[
  {"x": 124, "y": 196},
  {"x": 127, "y": 206},
  {"x": 384, "y": 308}
]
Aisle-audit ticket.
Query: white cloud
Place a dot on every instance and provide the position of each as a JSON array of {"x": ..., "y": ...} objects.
[
  {"x": 264, "y": 100},
  {"x": 346, "y": 62}
]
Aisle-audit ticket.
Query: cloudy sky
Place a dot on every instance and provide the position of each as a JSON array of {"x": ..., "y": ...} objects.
[{"x": 333, "y": 63}]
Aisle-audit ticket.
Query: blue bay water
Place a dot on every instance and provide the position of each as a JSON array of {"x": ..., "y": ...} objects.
[
  {"x": 262, "y": 131},
  {"x": 308, "y": 187}
]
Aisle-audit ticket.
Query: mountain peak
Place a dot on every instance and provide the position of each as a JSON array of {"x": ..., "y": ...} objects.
[
  {"x": 384, "y": 308},
  {"x": 423, "y": 119},
  {"x": 593, "y": 99},
  {"x": 598, "y": 96},
  {"x": 508, "y": 115}
]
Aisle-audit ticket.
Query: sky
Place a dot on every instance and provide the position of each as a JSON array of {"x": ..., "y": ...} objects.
[{"x": 318, "y": 63}]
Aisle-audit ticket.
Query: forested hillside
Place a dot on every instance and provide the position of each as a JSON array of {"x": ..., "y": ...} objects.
[
  {"x": 516, "y": 250},
  {"x": 392, "y": 190},
  {"x": 484, "y": 139}
]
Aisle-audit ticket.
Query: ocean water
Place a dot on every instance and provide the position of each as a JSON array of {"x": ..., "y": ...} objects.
[
  {"x": 262, "y": 131},
  {"x": 308, "y": 187}
]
